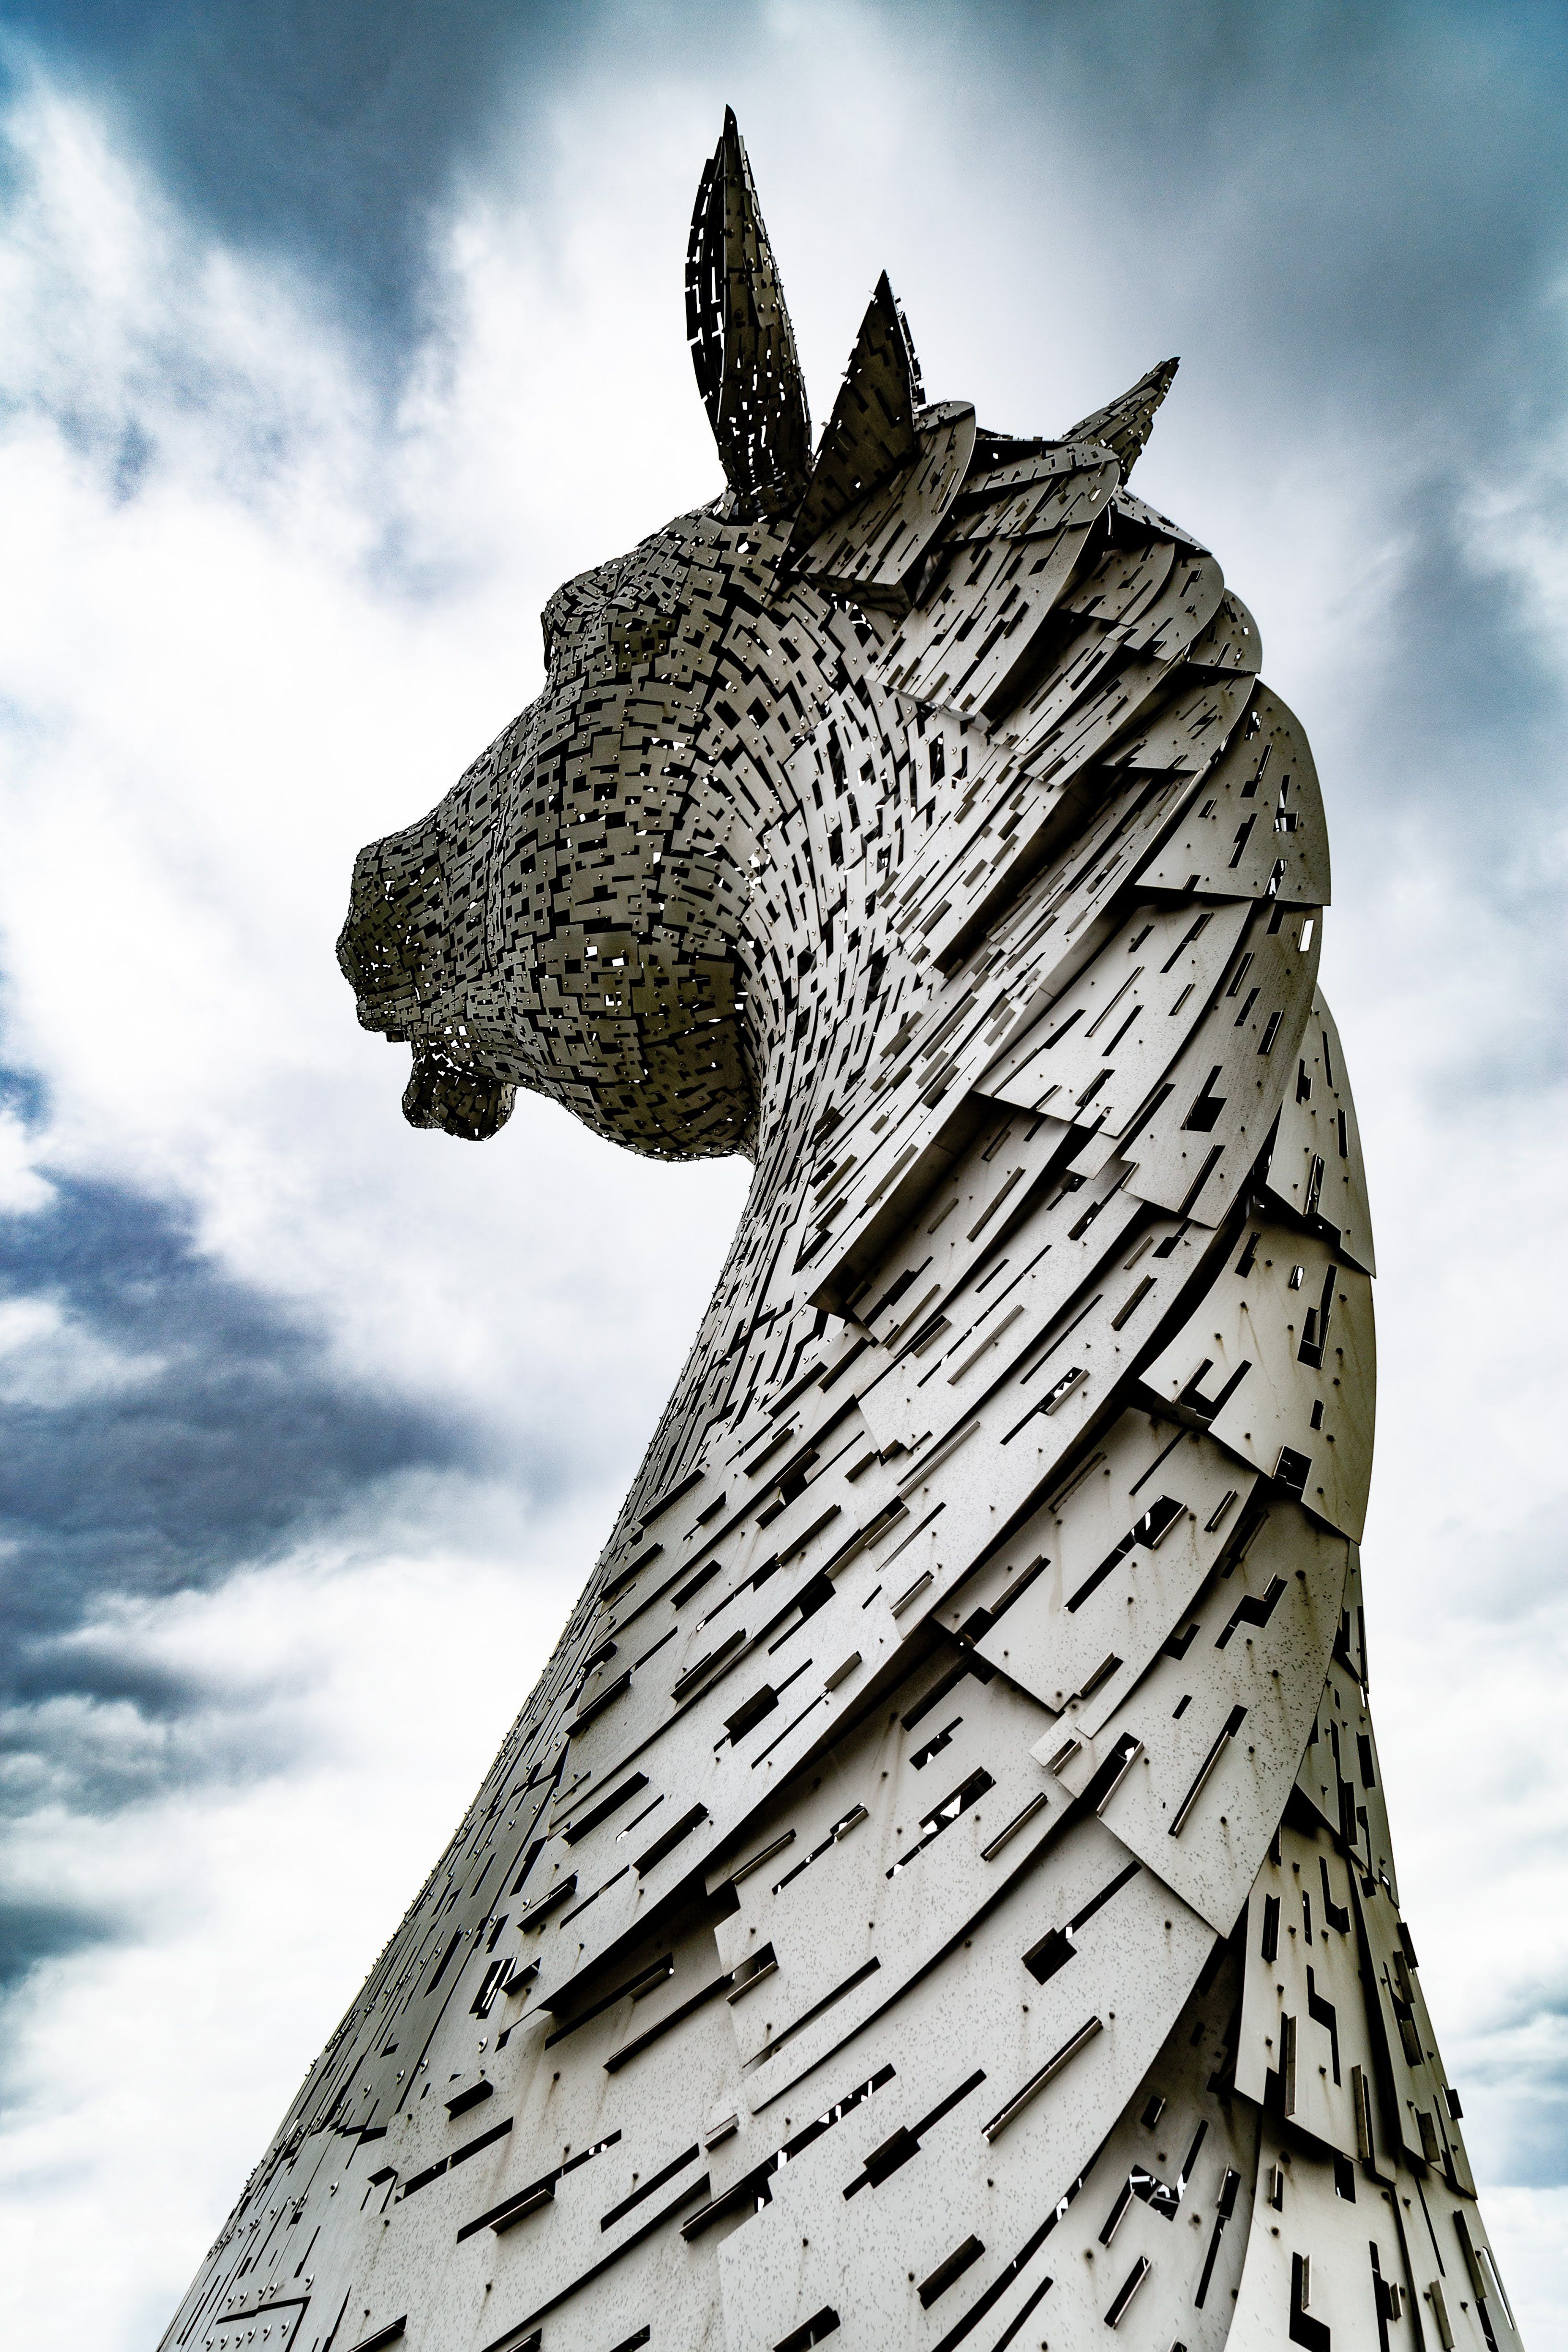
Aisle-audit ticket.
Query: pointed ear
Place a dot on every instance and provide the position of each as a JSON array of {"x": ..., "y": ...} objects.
[
  {"x": 1126, "y": 425},
  {"x": 871, "y": 432},
  {"x": 742, "y": 345}
]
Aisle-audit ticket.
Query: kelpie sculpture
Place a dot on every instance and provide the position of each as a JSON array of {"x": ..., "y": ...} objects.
[{"x": 938, "y": 1891}]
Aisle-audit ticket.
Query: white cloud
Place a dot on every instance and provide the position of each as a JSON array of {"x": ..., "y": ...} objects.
[
  {"x": 147, "y": 2069},
  {"x": 49, "y": 1361},
  {"x": 22, "y": 1188}
]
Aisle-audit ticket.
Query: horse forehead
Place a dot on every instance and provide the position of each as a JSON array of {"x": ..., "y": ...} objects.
[
  {"x": 650, "y": 577},
  {"x": 578, "y": 601}
]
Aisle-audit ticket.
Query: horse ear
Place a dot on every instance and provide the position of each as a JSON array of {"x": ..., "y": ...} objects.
[
  {"x": 1126, "y": 425},
  {"x": 871, "y": 432},
  {"x": 742, "y": 346}
]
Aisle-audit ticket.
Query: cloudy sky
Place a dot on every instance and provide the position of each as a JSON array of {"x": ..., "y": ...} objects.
[{"x": 334, "y": 333}]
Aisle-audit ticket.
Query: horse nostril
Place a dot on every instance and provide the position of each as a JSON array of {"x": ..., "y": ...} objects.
[
  {"x": 373, "y": 956},
  {"x": 394, "y": 906}
]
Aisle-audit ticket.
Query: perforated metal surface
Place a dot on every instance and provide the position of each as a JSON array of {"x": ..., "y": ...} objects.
[{"x": 938, "y": 1891}]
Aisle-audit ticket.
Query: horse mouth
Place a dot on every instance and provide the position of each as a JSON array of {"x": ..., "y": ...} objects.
[
  {"x": 446, "y": 1089},
  {"x": 381, "y": 955}
]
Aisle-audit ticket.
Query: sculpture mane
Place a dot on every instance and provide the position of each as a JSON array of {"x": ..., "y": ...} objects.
[{"x": 943, "y": 1866}]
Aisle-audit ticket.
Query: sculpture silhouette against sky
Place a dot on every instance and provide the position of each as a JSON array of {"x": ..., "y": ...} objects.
[{"x": 938, "y": 1891}]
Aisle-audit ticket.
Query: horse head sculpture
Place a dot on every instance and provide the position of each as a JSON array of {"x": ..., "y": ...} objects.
[
  {"x": 586, "y": 913},
  {"x": 963, "y": 1744}
]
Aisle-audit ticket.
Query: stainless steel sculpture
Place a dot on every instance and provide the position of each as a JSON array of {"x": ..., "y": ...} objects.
[{"x": 939, "y": 1892}]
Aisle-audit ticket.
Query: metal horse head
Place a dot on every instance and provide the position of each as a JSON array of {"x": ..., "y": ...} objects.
[
  {"x": 592, "y": 910},
  {"x": 913, "y": 818}
]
